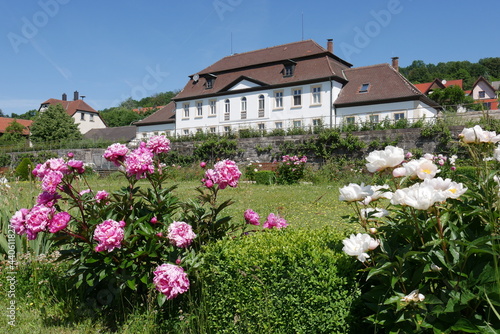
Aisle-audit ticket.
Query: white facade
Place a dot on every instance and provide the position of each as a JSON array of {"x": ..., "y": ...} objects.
[
  {"x": 300, "y": 105},
  {"x": 147, "y": 131},
  {"x": 394, "y": 111},
  {"x": 87, "y": 121}
]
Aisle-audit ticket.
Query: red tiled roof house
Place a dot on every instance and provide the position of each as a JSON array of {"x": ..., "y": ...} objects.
[{"x": 84, "y": 115}]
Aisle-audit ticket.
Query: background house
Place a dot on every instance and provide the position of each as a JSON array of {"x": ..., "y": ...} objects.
[
  {"x": 160, "y": 122},
  {"x": 6, "y": 121},
  {"x": 84, "y": 115},
  {"x": 483, "y": 92},
  {"x": 299, "y": 84}
]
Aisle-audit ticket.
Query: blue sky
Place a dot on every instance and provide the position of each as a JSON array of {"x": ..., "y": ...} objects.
[{"x": 112, "y": 50}]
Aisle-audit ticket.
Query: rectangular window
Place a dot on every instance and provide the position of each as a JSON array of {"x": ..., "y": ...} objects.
[
  {"x": 350, "y": 120},
  {"x": 227, "y": 129},
  {"x": 261, "y": 126},
  {"x": 82, "y": 116},
  {"x": 91, "y": 117},
  {"x": 213, "y": 108},
  {"x": 278, "y": 99},
  {"x": 186, "y": 132},
  {"x": 297, "y": 124},
  {"x": 278, "y": 125},
  {"x": 198, "y": 130},
  {"x": 316, "y": 122},
  {"x": 289, "y": 69},
  {"x": 186, "y": 110},
  {"x": 373, "y": 118},
  {"x": 364, "y": 88},
  {"x": 482, "y": 94},
  {"x": 199, "y": 109},
  {"x": 210, "y": 83},
  {"x": 212, "y": 129},
  {"x": 297, "y": 97},
  {"x": 316, "y": 95},
  {"x": 399, "y": 115}
]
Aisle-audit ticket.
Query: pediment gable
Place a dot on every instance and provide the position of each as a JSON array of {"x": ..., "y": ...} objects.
[{"x": 243, "y": 83}]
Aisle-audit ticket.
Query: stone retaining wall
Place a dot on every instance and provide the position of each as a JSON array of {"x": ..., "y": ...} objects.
[{"x": 407, "y": 139}]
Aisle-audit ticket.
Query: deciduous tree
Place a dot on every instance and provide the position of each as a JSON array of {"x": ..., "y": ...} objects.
[{"x": 54, "y": 124}]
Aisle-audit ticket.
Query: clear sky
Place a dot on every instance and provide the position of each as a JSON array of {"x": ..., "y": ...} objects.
[{"x": 114, "y": 49}]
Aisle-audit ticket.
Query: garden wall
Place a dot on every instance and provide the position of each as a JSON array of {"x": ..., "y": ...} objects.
[{"x": 264, "y": 149}]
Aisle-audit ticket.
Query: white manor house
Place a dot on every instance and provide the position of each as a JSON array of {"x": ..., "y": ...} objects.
[{"x": 299, "y": 84}]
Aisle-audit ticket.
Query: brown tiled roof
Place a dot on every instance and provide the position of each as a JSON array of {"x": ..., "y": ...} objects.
[
  {"x": 121, "y": 133},
  {"x": 265, "y": 66},
  {"x": 6, "y": 121},
  {"x": 385, "y": 85},
  {"x": 71, "y": 106},
  {"x": 427, "y": 86},
  {"x": 161, "y": 116},
  {"x": 459, "y": 83}
]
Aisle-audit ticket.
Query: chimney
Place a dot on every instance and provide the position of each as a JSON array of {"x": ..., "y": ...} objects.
[
  {"x": 75, "y": 96},
  {"x": 64, "y": 97},
  {"x": 395, "y": 63},
  {"x": 329, "y": 45}
]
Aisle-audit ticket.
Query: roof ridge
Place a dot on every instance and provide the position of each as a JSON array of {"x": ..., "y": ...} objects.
[{"x": 271, "y": 47}]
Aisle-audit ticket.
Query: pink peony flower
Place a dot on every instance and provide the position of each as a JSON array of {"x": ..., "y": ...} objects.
[
  {"x": 59, "y": 222},
  {"x": 70, "y": 155},
  {"x": 140, "y": 162},
  {"x": 171, "y": 280},
  {"x": 83, "y": 192},
  {"x": 181, "y": 234},
  {"x": 47, "y": 198},
  {"x": 58, "y": 164},
  {"x": 37, "y": 220},
  {"x": 203, "y": 164},
  {"x": 18, "y": 221},
  {"x": 154, "y": 220},
  {"x": 77, "y": 165},
  {"x": 275, "y": 221},
  {"x": 101, "y": 195},
  {"x": 51, "y": 181},
  {"x": 225, "y": 173},
  {"x": 158, "y": 144},
  {"x": 116, "y": 153},
  {"x": 110, "y": 234},
  {"x": 251, "y": 217}
]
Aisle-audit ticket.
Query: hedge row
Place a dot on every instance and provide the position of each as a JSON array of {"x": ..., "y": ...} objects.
[{"x": 287, "y": 281}]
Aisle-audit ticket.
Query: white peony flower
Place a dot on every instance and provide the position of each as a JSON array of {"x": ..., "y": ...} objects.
[
  {"x": 372, "y": 213},
  {"x": 496, "y": 153},
  {"x": 426, "y": 169},
  {"x": 378, "y": 192},
  {"x": 355, "y": 192},
  {"x": 449, "y": 188},
  {"x": 478, "y": 135},
  {"x": 413, "y": 296},
  {"x": 420, "y": 196},
  {"x": 379, "y": 160},
  {"x": 358, "y": 245}
]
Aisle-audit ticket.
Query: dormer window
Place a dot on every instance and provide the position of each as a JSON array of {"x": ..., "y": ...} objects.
[
  {"x": 364, "y": 88},
  {"x": 210, "y": 79},
  {"x": 289, "y": 69},
  {"x": 210, "y": 83}
]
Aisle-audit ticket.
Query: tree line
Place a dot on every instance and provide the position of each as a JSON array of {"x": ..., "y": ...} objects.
[{"x": 420, "y": 72}]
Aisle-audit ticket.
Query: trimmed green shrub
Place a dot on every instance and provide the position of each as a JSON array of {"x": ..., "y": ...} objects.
[
  {"x": 278, "y": 281},
  {"x": 264, "y": 177},
  {"x": 23, "y": 170},
  {"x": 465, "y": 174}
]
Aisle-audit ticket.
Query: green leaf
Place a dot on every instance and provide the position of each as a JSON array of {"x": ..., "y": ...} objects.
[
  {"x": 132, "y": 284},
  {"x": 465, "y": 326}
]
